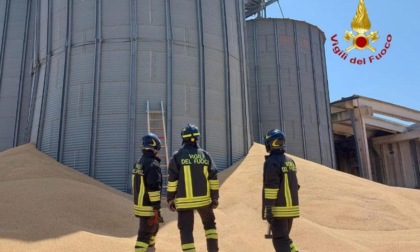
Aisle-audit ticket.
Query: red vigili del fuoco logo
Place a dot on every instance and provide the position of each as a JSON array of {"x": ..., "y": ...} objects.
[{"x": 361, "y": 39}]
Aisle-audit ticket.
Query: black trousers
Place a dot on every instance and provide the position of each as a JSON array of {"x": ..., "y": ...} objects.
[
  {"x": 146, "y": 236},
  {"x": 186, "y": 226},
  {"x": 280, "y": 228}
]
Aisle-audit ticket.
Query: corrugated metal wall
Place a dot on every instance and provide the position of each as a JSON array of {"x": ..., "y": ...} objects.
[
  {"x": 399, "y": 163},
  {"x": 15, "y": 71},
  {"x": 101, "y": 61},
  {"x": 288, "y": 86}
]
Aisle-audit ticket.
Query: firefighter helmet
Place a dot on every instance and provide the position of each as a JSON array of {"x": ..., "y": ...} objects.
[
  {"x": 151, "y": 142},
  {"x": 275, "y": 140},
  {"x": 190, "y": 133}
]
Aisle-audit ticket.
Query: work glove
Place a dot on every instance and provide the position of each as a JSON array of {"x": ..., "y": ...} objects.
[
  {"x": 214, "y": 203},
  {"x": 269, "y": 214},
  {"x": 153, "y": 219},
  {"x": 171, "y": 205},
  {"x": 156, "y": 218}
]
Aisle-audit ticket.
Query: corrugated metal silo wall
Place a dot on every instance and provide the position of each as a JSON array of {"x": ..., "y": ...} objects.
[
  {"x": 103, "y": 60},
  {"x": 15, "y": 71},
  {"x": 288, "y": 86}
]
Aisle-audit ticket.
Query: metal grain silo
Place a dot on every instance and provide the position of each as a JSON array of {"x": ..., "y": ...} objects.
[
  {"x": 288, "y": 86},
  {"x": 15, "y": 71},
  {"x": 103, "y": 61}
]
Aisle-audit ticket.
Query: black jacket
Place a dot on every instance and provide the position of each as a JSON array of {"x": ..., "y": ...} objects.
[
  {"x": 147, "y": 184},
  {"x": 280, "y": 190},
  {"x": 192, "y": 179}
]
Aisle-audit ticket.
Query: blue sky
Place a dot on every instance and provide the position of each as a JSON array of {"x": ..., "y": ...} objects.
[{"x": 395, "y": 78}]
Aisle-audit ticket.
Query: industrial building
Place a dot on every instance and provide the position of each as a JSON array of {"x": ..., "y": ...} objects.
[
  {"x": 106, "y": 72},
  {"x": 16, "y": 43},
  {"x": 377, "y": 140},
  {"x": 85, "y": 80},
  {"x": 289, "y": 87}
]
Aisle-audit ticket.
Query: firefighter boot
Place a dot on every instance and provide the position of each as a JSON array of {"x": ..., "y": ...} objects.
[{"x": 293, "y": 247}]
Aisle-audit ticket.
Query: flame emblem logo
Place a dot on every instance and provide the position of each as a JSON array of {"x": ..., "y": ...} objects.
[{"x": 361, "y": 24}]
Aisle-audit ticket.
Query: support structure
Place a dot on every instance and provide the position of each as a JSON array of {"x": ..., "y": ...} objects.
[{"x": 379, "y": 139}]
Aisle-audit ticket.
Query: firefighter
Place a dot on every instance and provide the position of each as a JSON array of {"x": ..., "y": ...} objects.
[
  {"x": 280, "y": 191},
  {"x": 147, "y": 187},
  {"x": 193, "y": 185}
]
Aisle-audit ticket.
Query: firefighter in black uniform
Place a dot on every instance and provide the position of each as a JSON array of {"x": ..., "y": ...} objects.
[
  {"x": 280, "y": 191},
  {"x": 193, "y": 184},
  {"x": 147, "y": 186}
]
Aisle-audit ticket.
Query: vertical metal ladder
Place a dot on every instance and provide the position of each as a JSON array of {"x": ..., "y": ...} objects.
[{"x": 156, "y": 125}]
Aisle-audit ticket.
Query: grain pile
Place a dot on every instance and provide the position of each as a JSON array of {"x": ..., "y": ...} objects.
[{"x": 46, "y": 206}]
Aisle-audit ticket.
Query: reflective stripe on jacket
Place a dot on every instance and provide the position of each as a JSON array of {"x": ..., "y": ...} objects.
[
  {"x": 281, "y": 186},
  {"x": 192, "y": 179},
  {"x": 146, "y": 179}
]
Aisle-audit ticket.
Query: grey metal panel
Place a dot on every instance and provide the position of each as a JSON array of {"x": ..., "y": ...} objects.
[
  {"x": 215, "y": 86},
  {"x": 14, "y": 102},
  {"x": 323, "y": 101},
  {"x": 59, "y": 17},
  {"x": 325, "y": 114},
  {"x": 115, "y": 19},
  {"x": 2, "y": 21},
  {"x": 253, "y": 65},
  {"x": 49, "y": 143},
  {"x": 151, "y": 67},
  {"x": 112, "y": 132},
  {"x": 288, "y": 82},
  {"x": 83, "y": 22},
  {"x": 181, "y": 54},
  {"x": 37, "y": 106},
  {"x": 268, "y": 94},
  {"x": 78, "y": 116},
  {"x": 236, "y": 92},
  {"x": 185, "y": 60},
  {"x": 26, "y": 79},
  {"x": 289, "y": 76},
  {"x": 43, "y": 29},
  {"x": 53, "y": 107},
  {"x": 310, "y": 120},
  {"x": 79, "y": 109}
]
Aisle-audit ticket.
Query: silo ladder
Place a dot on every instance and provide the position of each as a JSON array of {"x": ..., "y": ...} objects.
[{"x": 156, "y": 125}]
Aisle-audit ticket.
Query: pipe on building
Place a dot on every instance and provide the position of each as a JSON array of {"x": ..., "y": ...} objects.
[
  {"x": 328, "y": 112},
  {"x": 202, "y": 82},
  {"x": 133, "y": 91},
  {"x": 320, "y": 146},
  {"x": 227, "y": 84},
  {"x": 278, "y": 78},
  {"x": 169, "y": 62},
  {"x": 66, "y": 73},
  {"x": 3, "y": 38},
  {"x": 35, "y": 66},
  {"x": 46, "y": 77},
  {"x": 22, "y": 74},
  {"x": 244, "y": 83},
  {"x": 96, "y": 82},
  {"x": 299, "y": 83},
  {"x": 257, "y": 80}
]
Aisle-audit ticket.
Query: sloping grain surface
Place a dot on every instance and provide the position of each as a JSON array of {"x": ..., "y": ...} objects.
[{"x": 45, "y": 206}]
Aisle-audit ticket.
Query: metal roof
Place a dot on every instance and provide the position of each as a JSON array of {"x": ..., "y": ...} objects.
[{"x": 372, "y": 112}]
